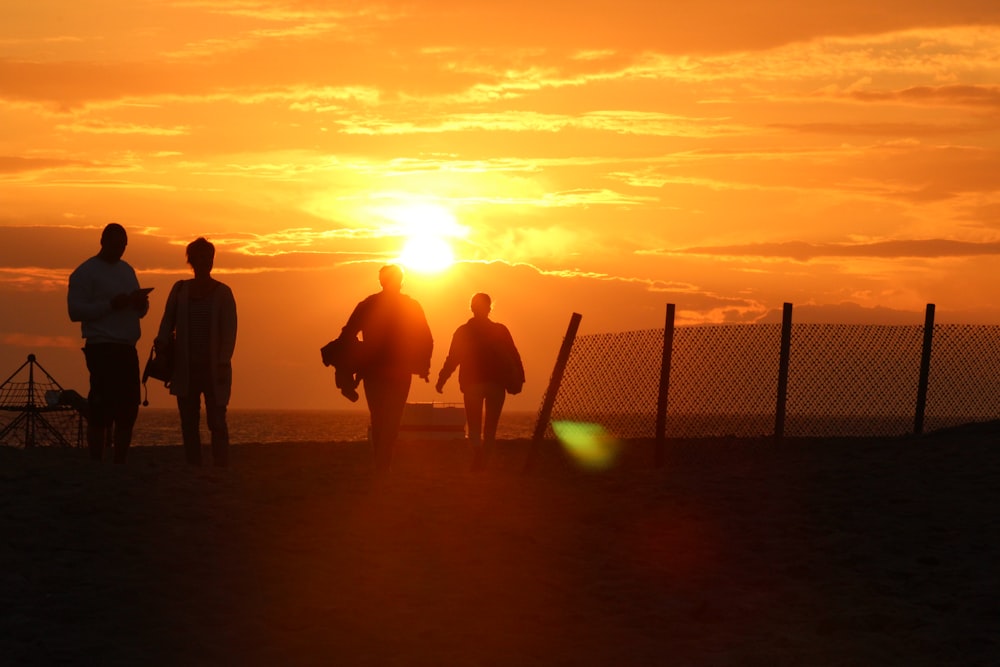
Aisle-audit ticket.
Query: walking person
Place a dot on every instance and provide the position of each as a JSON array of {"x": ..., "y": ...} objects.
[
  {"x": 398, "y": 344},
  {"x": 489, "y": 366},
  {"x": 105, "y": 298},
  {"x": 199, "y": 320}
]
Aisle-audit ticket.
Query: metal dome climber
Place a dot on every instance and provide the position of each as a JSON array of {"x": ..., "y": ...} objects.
[{"x": 46, "y": 414}]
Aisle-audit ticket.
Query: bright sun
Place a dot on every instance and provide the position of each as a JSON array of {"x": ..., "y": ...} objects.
[
  {"x": 427, "y": 229},
  {"x": 427, "y": 254}
]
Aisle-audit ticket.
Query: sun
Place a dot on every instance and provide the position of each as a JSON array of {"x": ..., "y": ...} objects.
[
  {"x": 427, "y": 254},
  {"x": 428, "y": 230}
]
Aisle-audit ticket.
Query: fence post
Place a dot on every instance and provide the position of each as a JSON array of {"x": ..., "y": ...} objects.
[
  {"x": 786, "y": 346},
  {"x": 925, "y": 371},
  {"x": 661, "y": 403},
  {"x": 550, "y": 394}
]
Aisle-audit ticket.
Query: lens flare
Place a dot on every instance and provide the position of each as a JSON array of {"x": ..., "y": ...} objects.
[{"x": 588, "y": 443}]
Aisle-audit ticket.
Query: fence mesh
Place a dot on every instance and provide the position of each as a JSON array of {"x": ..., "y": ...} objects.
[
  {"x": 853, "y": 379},
  {"x": 843, "y": 380},
  {"x": 612, "y": 379},
  {"x": 964, "y": 381}
]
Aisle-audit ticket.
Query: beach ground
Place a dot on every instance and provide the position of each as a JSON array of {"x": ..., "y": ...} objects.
[{"x": 734, "y": 552}]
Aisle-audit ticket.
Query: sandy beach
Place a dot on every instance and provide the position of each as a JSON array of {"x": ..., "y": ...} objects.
[{"x": 735, "y": 552}]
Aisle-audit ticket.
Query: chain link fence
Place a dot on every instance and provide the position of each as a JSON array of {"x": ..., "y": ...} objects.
[{"x": 843, "y": 380}]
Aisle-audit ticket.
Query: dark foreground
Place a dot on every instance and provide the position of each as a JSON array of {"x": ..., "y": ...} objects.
[{"x": 813, "y": 552}]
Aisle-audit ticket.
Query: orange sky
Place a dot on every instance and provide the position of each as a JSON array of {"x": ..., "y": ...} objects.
[{"x": 599, "y": 157}]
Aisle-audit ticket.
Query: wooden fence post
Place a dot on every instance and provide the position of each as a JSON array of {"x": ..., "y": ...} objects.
[
  {"x": 661, "y": 403},
  {"x": 786, "y": 346},
  {"x": 553, "y": 389},
  {"x": 925, "y": 371}
]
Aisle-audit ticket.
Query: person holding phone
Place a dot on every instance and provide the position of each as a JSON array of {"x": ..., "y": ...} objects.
[{"x": 105, "y": 298}]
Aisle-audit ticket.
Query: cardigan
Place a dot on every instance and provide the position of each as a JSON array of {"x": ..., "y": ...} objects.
[{"x": 222, "y": 338}]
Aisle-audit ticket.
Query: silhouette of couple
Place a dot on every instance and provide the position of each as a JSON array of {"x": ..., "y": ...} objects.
[
  {"x": 396, "y": 344},
  {"x": 198, "y": 325}
]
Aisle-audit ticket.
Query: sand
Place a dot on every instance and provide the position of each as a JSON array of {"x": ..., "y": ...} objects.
[{"x": 735, "y": 552}]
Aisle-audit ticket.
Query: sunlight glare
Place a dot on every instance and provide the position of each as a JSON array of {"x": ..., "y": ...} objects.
[
  {"x": 426, "y": 254},
  {"x": 427, "y": 229}
]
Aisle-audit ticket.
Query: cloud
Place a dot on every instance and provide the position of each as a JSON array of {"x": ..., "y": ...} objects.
[
  {"x": 804, "y": 251},
  {"x": 105, "y": 127},
  {"x": 972, "y": 96},
  {"x": 13, "y": 164},
  {"x": 884, "y": 129},
  {"x": 35, "y": 341},
  {"x": 622, "y": 121},
  {"x": 845, "y": 313},
  {"x": 299, "y": 241},
  {"x": 33, "y": 278}
]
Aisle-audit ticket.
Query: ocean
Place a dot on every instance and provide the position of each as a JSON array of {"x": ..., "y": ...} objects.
[{"x": 161, "y": 426}]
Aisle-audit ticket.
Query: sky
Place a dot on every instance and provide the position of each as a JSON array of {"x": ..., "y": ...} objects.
[{"x": 604, "y": 158}]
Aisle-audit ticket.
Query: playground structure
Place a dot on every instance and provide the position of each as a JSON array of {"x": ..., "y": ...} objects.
[{"x": 35, "y": 411}]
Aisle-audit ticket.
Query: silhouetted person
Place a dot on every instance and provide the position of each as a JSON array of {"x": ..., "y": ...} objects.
[
  {"x": 489, "y": 366},
  {"x": 201, "y": 315},
  {"x": 104, "y": 297},
  {"x": 398, "y": 345}
]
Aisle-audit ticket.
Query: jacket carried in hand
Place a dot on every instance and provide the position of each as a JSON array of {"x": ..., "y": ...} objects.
[{"x": 346, "y": 356}]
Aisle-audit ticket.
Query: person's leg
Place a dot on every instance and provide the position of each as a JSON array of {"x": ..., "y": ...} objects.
[
  {"x": 124, "y": 424},
  {"x": 216, "y": 416},
  {"x": 189, "y": 408},
  {"x": 397, "y": 390},
  {"x": 493, "y": 396},
  {"x": 374, "y": 391},
  {"x": 493, "y": 399},
  {"x": 99, "y": 416},
  {"x": 475, "y": 395},
  {"x": 128, "y": 395},
  {"x": 473, "y": 399},
  {"x": 97, "y": 432},
  {"x": 386, "y": 397}
]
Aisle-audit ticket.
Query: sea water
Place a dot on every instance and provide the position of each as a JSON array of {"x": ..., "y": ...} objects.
[{"x": 161, "y": 426}]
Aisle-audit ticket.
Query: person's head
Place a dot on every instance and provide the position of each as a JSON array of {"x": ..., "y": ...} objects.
[
  {"x": 390, "y": 277},
  {"x": 113, "y": 242},
  {"x": 201, "y": 255},
  {"x": 481, "y": 305}
]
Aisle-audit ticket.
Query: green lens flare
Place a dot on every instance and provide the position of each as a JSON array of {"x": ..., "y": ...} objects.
[{"x": 588, "y": 443}]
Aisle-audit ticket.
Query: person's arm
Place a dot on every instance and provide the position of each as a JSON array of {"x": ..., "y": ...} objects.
[
  {"x": 168, "y": 323},
  {"x": 515, "y": 356},
  {"x": 136, "y": 299},
  {"x": 356, "y": 321},
  {"x": 227, "y": 320},
  {"x": 140, "y": 301},
  {"x": 83, "y": 305},
  {"x": 451, "y": 361},
  {"x": 426, "y": 344}
]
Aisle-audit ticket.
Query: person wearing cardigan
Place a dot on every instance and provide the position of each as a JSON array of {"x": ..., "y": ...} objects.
[{"x": 200, "y": 320}]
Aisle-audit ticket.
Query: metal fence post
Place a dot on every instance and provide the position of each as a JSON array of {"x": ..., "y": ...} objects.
[
  {"x": 786, "y": 346},
  {"x": 925, "y": 371},
  {"x": 661, "y": 403},
  {"x": 553, "y": 389}
]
